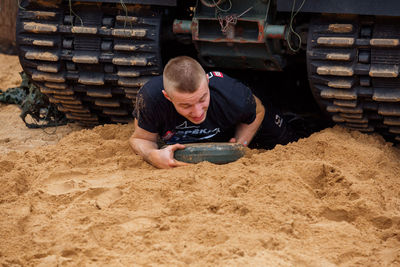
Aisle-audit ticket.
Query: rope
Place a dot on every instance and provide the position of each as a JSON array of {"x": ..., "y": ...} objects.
[
  {"x": 226, "y": 21},
  {"x": 230, "y": 19},
  {"x": 291, "y": 30}
]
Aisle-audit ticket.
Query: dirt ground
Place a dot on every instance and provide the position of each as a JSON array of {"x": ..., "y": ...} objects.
[{"x": 80, "y": 197}]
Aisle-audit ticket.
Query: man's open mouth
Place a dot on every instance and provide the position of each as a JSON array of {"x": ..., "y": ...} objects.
[{"x": 200, "y": 118}]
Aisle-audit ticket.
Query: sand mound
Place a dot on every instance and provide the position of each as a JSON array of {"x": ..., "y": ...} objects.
[
  {"x": 331, "y": 199},
  {"x": 81, "y": 198}
]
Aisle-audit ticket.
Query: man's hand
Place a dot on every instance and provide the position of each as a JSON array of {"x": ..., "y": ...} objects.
[
  {"x": 144, "y": 143},
  {"x": 164, "y": 158},
  {"x": 233, "y": 140}
]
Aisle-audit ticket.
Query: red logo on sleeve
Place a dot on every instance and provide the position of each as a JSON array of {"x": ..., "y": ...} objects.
[
  {"x": 218, "y": 74},
  {"x": 168, "y": 135}
]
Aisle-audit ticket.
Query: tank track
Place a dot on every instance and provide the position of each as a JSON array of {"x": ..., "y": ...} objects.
[
  {"x": 353, "y": 68},
  {"x": 90, "y": 62}
]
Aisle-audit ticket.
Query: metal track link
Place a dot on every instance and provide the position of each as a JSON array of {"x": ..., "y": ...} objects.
[
  {"x": 90, "y": 64},
  {"x": 354, "y": 73}
]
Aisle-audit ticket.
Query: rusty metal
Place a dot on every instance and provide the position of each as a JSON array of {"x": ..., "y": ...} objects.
[
  {"x": 215, "y": 35},
  {"x": 182, "y": 26},
  {"x": 275, "y": 31},
  {"x": 242, "y": 37}
]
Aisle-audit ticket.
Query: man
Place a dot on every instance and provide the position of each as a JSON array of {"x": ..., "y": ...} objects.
[{"x": 186, "y": 105}]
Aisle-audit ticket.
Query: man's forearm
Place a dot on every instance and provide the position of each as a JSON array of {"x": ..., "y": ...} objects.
[
  {"x": 245, "y": 132},
  {"x": 143, "y": 148}
]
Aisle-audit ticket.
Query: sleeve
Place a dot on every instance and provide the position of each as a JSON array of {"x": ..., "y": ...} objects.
[
  {"x": 243, "y": 104},
  {"x": 235, "y": 102},
  {"x": 146, "y": 111},
  {"x": 247, "y": 105}
]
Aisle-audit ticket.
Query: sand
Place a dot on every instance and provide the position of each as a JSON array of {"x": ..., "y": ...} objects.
[{"x": 84, "y": 199}]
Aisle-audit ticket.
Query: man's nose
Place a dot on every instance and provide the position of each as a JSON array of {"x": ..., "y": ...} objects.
[{"x": 198, "y": 110}]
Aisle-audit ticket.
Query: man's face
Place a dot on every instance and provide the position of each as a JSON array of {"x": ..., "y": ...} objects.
[{"x": 192, "y": 106}]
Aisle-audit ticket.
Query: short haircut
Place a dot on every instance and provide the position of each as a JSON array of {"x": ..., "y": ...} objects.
[{"x": 183, "y": 74}]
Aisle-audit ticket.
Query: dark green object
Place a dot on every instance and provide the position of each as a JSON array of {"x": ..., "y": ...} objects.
[
  {"x": 14, "y": 95},
  {"x": 218, "y": 153},
  {"x": 32, "y": 102}
]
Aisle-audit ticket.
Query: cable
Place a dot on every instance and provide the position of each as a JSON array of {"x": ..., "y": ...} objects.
[
  {"x": 126, "y": 13},
  {"x": 217, "y": 5},
  {"x": 291, "y": 30},
  {"x": 72, "y": 12},
  {"x": 223, "y": 10},
  {"x": 19, "y": 5}
]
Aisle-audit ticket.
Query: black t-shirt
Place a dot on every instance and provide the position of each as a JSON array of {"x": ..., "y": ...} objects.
[{"x": 231, "y": 103}]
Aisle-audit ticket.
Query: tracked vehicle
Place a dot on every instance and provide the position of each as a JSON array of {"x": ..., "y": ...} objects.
[{"x": 90, "y": 57}]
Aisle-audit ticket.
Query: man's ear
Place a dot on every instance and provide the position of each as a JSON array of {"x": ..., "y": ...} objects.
[
  {"x": 166, "y": 95},
  {"x": 208, "y": 80}
]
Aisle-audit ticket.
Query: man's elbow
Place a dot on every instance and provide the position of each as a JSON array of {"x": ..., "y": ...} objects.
[
  {"x": 260, "y": 113},
  {"x": 133, "y": 143}
]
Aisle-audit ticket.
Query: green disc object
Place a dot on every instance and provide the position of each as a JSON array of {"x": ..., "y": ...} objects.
[{"x": 218, "y": 153}]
